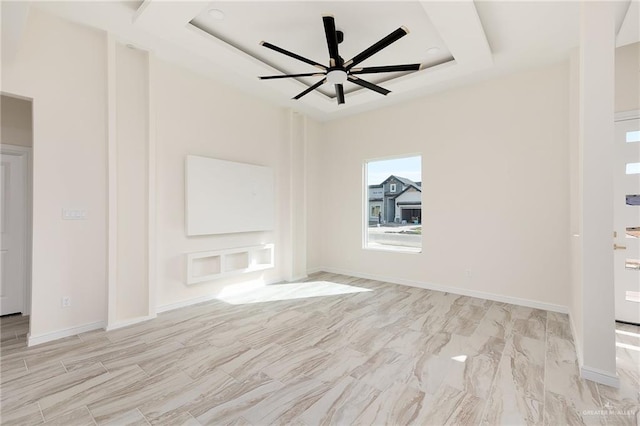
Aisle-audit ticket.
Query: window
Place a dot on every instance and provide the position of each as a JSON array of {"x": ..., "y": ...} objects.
[
  {"x": 633, "y": 232},
  {"x": 633, "y": 136},
  {"x": 393, "y": 219},
  {"x": 633, "y": 168}
]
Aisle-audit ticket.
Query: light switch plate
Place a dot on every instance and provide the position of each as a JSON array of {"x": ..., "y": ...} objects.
[{"x": 74, "y": 214}]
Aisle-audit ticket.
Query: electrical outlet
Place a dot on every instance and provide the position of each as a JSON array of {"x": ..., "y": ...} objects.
[{"x": 66, "y": 301}]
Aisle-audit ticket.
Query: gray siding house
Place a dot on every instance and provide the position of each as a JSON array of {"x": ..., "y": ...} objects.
[{"x": 383, "y": 201}]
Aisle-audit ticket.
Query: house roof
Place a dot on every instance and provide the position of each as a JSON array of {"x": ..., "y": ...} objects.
[
  {"x": 405, "y": 181},
  {"x": 408, "y": 188}
]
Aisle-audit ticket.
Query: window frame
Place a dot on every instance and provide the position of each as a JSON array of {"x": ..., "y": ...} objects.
[{"x": 364, "y": 211}]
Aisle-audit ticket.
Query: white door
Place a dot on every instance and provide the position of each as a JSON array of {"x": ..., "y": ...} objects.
[
  {"x": 13, "y": 226},
  {"x": 627, "y": 221}
]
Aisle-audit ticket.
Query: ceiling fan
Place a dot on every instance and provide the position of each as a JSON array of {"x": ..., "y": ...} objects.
[{"x": 339, "y": 72}]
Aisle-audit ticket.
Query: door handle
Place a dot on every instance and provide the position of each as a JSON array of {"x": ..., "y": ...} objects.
[{"x": 617, "y": 247}]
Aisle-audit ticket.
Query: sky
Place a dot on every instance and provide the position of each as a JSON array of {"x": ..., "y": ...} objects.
[{"x": 408, "y": 167}]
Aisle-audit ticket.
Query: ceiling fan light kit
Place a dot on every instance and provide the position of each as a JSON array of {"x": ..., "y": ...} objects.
[
  {"x": 339, "y": 72},
  {"x": 336, "y": 76}
]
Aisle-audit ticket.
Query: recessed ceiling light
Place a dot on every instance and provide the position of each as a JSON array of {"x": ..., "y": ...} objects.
[
  {"x": 433, "y": 50},
  {"x": 216, "y": 14}
]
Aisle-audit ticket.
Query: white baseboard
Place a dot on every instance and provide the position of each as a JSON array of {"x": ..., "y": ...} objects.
[
  {"x": 314, "y": 271},
  {"x": 576, "y": 340},
  {"x": 599, "y": 376},
  {"x": 455, "y": 290},
  {"x": 185, "y": 303},
  {"x": 196, "y": 300},
  {"x": 298, "y": 278},
  {"x": 129, "y": 322},
  {"x": 55, "y": 335},
  {"x": 590, "y": 373}
]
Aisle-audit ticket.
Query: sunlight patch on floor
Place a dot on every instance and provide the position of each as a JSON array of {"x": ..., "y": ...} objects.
[
  {"x": 627, "y": 346},
  {"x": 627, "y": 333},
  {"x": 289, "y": 291}
]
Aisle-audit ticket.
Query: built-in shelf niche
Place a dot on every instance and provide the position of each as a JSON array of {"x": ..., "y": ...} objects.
[{"x": 213, "y": 265}]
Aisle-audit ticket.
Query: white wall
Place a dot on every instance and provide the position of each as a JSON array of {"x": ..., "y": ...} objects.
[
  {"x": 132, "y": 284},
  {"x": 575, "y": 203},
  {"x": 627, "y": 96},
  {"x": 196, "y": 115},
  {"x": 111, "y": 130},
  {"x": 16, "y": 119},
  {"x": 106, "y": 115},
  {"x": 495, "y": 187},
  {"x": 315, "y": 171},
  {"x": 62, "y": 67},
  {"x": 595, "y": 129},
  {"x": 296, "y": 220}
]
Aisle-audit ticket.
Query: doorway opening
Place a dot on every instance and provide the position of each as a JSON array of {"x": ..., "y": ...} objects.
[
  {"x": 626, "y": 242},
  {"x": 626, "y": 235},
  {"x": 16, "y": 146}
]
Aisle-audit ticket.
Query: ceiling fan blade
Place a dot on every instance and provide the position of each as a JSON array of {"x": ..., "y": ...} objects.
[
  {"x": 391, "y": 38},
  {"x": 332, "y": 39},
  {"x": 273, "y": 77},
  {"x": 340, "y": 93},
  {"x": 310, "y": 89},
  {"x": 292, "y": 55},
  {"x": 370, "y": 86},
  {"x": 386, "y": 68}
]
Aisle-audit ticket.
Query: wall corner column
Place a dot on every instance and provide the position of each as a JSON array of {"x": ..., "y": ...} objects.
[
  {"x": 152, "y": 274},
  {"x": 112, "y": 184},
  {"x": 296, "y": 269},
  {"x": 596, "y": 130}
]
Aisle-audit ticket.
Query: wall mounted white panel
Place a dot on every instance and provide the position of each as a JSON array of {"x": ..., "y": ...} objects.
[{"x": 224, "y": 197}]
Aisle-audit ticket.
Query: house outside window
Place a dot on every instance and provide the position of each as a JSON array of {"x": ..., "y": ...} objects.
[{"x": 393, "y": 215}]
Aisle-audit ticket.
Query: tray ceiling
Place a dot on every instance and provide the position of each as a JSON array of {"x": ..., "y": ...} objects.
[{"x": 456, "y": 41}]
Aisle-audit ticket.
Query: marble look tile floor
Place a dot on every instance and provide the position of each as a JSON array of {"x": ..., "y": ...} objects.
[{"x": 332, "y": 350}]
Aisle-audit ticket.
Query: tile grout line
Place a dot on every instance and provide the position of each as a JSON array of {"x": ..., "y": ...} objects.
[
  {"x": 597, "y": 386},
  {"x": 143, "y": 416},
  {"x": 41, "y": 413},
  {"x": 493, "y": 382},
  {"x": 194, "y": 417},
  {"x": 91, "y": 414},
  {"x": 544, "y": 373},
  {"x": 604, "y": 417}
]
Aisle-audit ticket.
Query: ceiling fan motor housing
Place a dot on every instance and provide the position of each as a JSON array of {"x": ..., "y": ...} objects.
[{"x": 336, "y": 76}]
